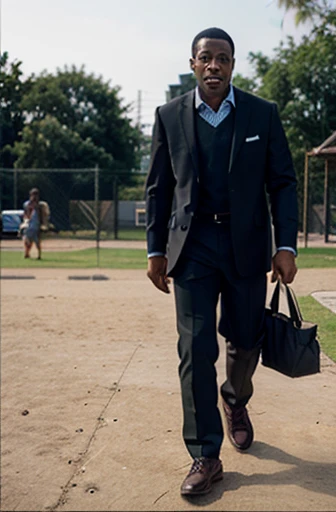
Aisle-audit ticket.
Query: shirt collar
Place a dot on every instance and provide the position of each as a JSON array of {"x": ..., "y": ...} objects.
[{"x": 229, "y": 98}]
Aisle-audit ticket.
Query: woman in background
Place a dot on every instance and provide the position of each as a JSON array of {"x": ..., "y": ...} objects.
[{"x": 36, "y": 215}]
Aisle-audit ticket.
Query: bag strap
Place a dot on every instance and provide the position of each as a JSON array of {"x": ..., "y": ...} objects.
[
  {"x": 274, "y": 304},
  {"x": 293, "y": 306}
]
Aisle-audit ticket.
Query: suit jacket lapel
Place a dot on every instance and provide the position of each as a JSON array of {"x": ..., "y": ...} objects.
[
  {"x": 187, "y": 117},
  {"x": 242, "y": 118}
]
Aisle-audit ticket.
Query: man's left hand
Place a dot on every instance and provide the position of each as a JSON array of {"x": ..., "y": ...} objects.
[{"x": 283, "y": 265}]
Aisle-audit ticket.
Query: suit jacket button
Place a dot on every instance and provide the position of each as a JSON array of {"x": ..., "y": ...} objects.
[{"x": 184, "y": 227}]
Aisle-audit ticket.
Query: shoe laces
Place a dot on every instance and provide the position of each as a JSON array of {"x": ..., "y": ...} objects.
[
  {"x": 238, "y": 417},
  {"x": 197, "y": 466}
]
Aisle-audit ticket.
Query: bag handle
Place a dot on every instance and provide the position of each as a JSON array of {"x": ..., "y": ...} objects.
[
  {"x": 294, "y": 309},
  {"x": 293, "y": 306},
  {"x": 275, "y": 298}
]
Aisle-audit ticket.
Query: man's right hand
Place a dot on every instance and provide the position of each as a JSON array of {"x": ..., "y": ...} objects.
[{"x": 157, "y": 272}]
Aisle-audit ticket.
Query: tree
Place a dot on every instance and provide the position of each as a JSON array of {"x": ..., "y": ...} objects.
[
  {"x": 313, "y": 10},
  {"x": 301, "y": 79},
  {"x": 87, "y": 119},
  {"x": 46, "y": 143},
  {"x": 136, "y": 192},
  {"x": 247, "y": 84},
  {"x": 69, "y": 119},
  {"x": 12, "y": 89}
]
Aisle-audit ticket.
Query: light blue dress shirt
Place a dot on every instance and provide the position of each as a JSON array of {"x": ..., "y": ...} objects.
[{"x": 209, "y": 115}]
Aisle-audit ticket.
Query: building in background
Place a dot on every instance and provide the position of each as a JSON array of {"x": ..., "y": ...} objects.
[{"x": 187, "y": 83}]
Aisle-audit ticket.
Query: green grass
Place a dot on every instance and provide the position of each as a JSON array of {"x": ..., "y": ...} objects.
[
  {"x": 136, "y": 258},
  {"x": 85, "y": 258},
  {"x": 132, "y": 234},
  {"x": 313, "y": 311},
  {"x": 324, "y": 257},
  {"x": 138, "y": 233}
]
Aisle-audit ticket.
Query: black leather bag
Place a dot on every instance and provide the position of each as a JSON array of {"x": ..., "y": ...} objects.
[{"x": 290, "y": 344}]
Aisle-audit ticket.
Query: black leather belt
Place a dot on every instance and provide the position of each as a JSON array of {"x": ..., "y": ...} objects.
[{"x": 218, "y": 218}]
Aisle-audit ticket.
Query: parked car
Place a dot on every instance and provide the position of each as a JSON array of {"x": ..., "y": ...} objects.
[{"x": 10, "y": 222}]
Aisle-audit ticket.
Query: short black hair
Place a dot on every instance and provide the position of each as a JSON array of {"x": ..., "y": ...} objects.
[
  {"x": 34, "y": 191},
  {"x": 212, "y": 33}
]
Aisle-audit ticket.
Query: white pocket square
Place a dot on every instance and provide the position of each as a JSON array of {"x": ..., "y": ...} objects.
[{"x": 252, "y": 139}]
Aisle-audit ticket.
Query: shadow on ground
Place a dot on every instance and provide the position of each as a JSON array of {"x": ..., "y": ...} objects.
[{"x": 313, "y": 476}]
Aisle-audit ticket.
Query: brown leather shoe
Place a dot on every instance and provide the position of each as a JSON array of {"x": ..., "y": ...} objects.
[
  {"x": 203, "y": 473},
  {"x": 240, "y": 428}
]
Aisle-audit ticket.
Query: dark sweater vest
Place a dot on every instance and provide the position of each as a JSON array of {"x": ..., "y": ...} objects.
[{"x": 214, "y": 155}]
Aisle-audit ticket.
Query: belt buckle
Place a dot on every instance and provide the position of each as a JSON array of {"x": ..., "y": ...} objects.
[{"x": 217, "y": 219}]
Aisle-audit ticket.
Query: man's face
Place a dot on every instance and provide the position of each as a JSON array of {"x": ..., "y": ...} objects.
[{"x": 213, "y": 65}]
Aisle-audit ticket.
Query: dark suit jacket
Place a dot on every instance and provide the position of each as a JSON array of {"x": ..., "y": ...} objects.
[{"x": 260, "y": 161}]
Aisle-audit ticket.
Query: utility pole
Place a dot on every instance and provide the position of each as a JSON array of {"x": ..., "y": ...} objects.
[{"x": 139, "y": 109}]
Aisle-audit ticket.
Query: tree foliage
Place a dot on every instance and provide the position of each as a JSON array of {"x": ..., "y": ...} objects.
[
  {"x": 46, "y": 143},
  {"x": 70, "y": 119},
  {"x": 12, "y": 89},
  {"x": 310, "y": 10},
  {"x": 244, "y": 83},
  {"x": 66, "y": 120},
  {"x": 301, "y": 79}
]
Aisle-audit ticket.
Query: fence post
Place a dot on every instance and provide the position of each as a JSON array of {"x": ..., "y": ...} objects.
[
  {"x": 116, "y": 207},
  {"x": 96, "y": 191},
  {"x": 305, "y": 202},
  {"x": 1, "y": 192},
  {"x": 15, "y": 189},
  {"x": 326, "y": 202}
]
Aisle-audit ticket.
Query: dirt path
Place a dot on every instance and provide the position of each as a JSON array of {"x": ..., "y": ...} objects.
[
  {"x": 91, "y": 412},
  {"x": 70, "y": 244},
  {"x": 52, "y": 243}
]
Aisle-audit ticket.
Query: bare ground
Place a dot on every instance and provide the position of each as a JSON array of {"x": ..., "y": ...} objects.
[
  {"x": 91, "y": 413},
  {"x": 52, "y": 243}
]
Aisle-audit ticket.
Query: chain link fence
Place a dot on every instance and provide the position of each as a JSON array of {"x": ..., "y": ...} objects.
[
  {"x": 96, "y": 206},
  {"x": 321, "y": 201},
  {"x": 86, "y": 205}
]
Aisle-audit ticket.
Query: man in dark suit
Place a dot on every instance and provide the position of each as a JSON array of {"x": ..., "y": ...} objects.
[{"x": 219, "y": 159}]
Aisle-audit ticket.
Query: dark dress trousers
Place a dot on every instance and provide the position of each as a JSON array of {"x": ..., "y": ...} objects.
[{"x": 196, "y": 170}]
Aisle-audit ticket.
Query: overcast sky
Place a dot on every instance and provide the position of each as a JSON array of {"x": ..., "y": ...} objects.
[{"x": 136, "y": 44}]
